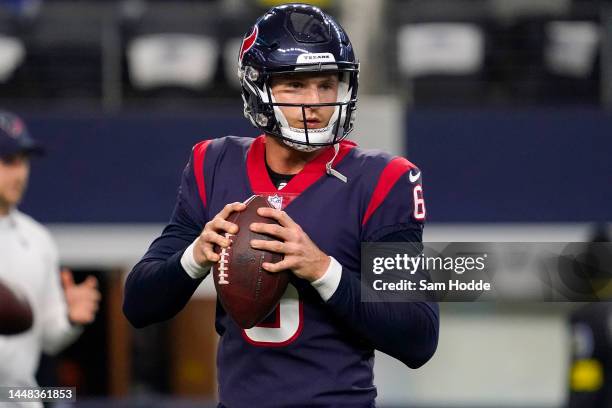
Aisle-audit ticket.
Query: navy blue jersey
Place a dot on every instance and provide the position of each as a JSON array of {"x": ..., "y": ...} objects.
[{"x": 308, "y": 352}]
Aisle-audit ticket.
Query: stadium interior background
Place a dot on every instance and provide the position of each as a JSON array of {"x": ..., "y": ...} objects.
[{"x": 504, "y": 104}]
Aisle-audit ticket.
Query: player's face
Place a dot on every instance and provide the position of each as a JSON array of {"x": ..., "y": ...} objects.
[
  {"x": 306, "y": 89},
  {"x": 14, "y": 172}
]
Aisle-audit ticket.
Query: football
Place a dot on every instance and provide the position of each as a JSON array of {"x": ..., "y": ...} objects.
[
  {"x": 248, "y": 292},
  {"x": 15, "y": 311}
]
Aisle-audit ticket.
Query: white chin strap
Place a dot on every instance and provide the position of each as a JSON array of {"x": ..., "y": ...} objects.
[{"x": 300, "y": 147}]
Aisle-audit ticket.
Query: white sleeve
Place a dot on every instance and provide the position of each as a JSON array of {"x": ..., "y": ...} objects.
[
  {"x": 193, "y": 269},
  {"x": 327, "y": 284},
  {"x": 57, "y": 332}
]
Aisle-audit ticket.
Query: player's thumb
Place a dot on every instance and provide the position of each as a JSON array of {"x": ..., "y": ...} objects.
[
  {"x": 67, "y": 279},
  {"x": 91, "y": 282}
]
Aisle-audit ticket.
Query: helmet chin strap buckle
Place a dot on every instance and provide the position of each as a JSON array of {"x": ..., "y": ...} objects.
[
  {"x": 333, "y": 172},
  {"x": 328, "y": 166}
]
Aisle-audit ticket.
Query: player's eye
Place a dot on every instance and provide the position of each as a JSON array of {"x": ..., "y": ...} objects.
[
  {"x": 295, "y": 85},
  {"x": 10, "y": 160}
]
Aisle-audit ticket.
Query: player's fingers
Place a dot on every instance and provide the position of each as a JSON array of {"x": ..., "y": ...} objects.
[
  {"x": 271, "y": 229},
  {"x": 279, "y": 215},
  {"x": 277, "y": 267},
  {"x": 67, "y": 279},
  {"x": 219, "y": 224},
  {"x": 272, "y": 246},
  {"x": 88, "y": 295},
  {"x": 91, "y": 282},
  {"x": 208, "y": 252},
  {"x": 95, "y": 296},
  {"x": 88, "y": 305},
  {"x": 214, "y": 238},
  {"x": 231, "y": 207}
]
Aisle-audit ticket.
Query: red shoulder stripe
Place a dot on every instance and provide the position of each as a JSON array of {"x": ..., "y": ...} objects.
[
  {"x": 388, "y": 177},
  {"x": 199, "y": 151}
]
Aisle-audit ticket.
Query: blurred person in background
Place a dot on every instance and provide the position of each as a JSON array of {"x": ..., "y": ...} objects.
[
  {"x": 299, "y": 80},
  {"x": 29, "y": 261}
]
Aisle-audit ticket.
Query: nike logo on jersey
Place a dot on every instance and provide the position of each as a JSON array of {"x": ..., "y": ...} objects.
[{"x": 414, "y": 177}]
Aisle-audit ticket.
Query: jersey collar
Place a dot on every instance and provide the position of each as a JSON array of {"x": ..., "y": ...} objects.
[{"x": 313, "y": 171}]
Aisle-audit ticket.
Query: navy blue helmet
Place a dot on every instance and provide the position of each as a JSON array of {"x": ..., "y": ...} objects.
[
  {"x": 14, "y": 137},
  {"x": 297, "y": 38}
]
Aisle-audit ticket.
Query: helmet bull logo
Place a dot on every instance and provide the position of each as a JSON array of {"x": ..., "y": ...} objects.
[{"x": 248, "y": 42}]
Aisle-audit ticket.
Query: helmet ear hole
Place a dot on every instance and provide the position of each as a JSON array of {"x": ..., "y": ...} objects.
[{"x": 261, "y": 119}]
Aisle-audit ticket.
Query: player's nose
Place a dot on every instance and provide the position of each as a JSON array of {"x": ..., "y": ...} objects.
[{"x": 312, "y": 95}]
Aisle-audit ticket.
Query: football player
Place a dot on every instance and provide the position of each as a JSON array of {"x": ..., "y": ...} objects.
[{"x": 299, "y": 79}]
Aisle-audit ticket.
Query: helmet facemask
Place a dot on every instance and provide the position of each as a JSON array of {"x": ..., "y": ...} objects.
[{"x": 265, "y": 112}]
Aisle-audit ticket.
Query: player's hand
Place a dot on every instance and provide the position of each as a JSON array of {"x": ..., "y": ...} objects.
[
  {"x": 302, "y": 256},
  {"x": 214, "y": 233},
  {"x": 82, "y": 299}
]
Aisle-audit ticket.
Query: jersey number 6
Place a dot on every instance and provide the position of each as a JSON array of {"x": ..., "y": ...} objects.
[{"x": 419, "y": 202}]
